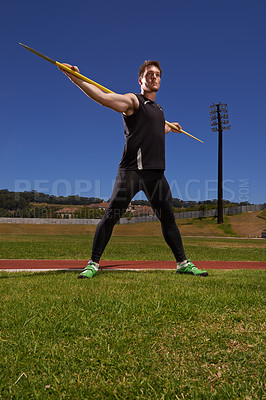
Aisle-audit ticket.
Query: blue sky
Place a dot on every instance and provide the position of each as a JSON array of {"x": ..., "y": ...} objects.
[{"x": 56, "y": 140}]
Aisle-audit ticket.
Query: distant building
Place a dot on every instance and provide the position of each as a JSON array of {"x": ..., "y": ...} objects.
[
  {"x": 99, "y": 206},
  {"x": 135, "y": 210},
  {"x": 138, "y": 210},
  {"x": 66, "y": 212}
]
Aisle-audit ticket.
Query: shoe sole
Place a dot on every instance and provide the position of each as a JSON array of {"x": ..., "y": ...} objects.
[
  {"x": 83, "y": 276},
  {"x": 191, "y": 273}
]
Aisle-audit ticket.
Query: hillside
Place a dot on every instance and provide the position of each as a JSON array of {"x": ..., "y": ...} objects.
[{"x": 248, "y": 224}]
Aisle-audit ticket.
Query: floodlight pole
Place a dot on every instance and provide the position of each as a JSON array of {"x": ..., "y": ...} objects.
[
  {"x": 220, "y": 168},
  {"x": 219, "y": 122}
]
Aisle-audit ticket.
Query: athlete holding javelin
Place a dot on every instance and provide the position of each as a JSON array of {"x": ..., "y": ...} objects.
[{"x": 142, "y": 165}]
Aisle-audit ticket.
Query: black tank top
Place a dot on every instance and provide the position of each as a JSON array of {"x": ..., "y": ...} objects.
[{"x": 145, "y": 137}]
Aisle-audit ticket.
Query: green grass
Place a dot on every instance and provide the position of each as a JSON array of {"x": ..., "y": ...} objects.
[
  {"x": 129, "y": 248},
  {"x": 226, "y": 227},
  {"x": 262, "y": 214},
  {"x": 149, "y": 335},
  {"x": 152, "y": 335}
]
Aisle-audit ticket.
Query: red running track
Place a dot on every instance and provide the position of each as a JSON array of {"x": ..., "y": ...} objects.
[{"x": 72, "y": 265}]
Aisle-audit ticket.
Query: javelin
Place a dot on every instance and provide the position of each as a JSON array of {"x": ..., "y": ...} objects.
[{"x": 84, "y": 78}]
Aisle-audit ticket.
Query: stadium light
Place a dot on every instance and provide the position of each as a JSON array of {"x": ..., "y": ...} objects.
[{"x": 219, "y": 122}]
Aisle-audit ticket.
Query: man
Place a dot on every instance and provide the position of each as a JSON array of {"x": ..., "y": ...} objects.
[{"x": 142, "y": 165}]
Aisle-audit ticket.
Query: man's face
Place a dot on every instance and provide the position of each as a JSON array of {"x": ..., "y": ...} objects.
[{"x": 151, "y": 79}]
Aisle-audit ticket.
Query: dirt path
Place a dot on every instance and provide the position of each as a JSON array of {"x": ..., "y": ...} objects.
[{"x": 72, "y": 265}]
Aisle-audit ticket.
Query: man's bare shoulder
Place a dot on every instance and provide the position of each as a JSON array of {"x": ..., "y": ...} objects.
[{"x": 134, "y": 103}]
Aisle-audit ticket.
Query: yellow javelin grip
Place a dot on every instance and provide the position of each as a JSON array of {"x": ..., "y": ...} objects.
[
  {"x": 84, "y": 78},
  {"x": 186, "y": 133}
]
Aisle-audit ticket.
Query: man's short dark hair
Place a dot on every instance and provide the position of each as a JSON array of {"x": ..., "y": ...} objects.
[{"x": 147, "y": 64}]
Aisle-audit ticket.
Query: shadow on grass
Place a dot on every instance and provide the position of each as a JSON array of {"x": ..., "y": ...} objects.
[{"x": 16, "y": 275}]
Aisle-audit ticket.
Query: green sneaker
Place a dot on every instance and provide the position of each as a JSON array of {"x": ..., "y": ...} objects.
[
  {"x": 187, "y": 267},
  {"x": 89, "y": 271}
]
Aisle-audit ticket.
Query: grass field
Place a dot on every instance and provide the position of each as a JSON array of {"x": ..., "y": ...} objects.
[
  {"x": 129, "y": 248},
  {"x": 131, "y": 242},
  {"x": 125, "y": 335},
  {"x": 152, "y": 335}
]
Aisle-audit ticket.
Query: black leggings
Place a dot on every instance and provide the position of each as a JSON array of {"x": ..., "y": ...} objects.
[{"x": 156, "y": 188}]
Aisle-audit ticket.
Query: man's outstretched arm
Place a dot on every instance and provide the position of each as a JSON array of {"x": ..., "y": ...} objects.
[{"x": 122, "y": 103}]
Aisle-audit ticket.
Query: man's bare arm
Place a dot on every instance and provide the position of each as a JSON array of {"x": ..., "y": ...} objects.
[{"x": 122, "y": 103}]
